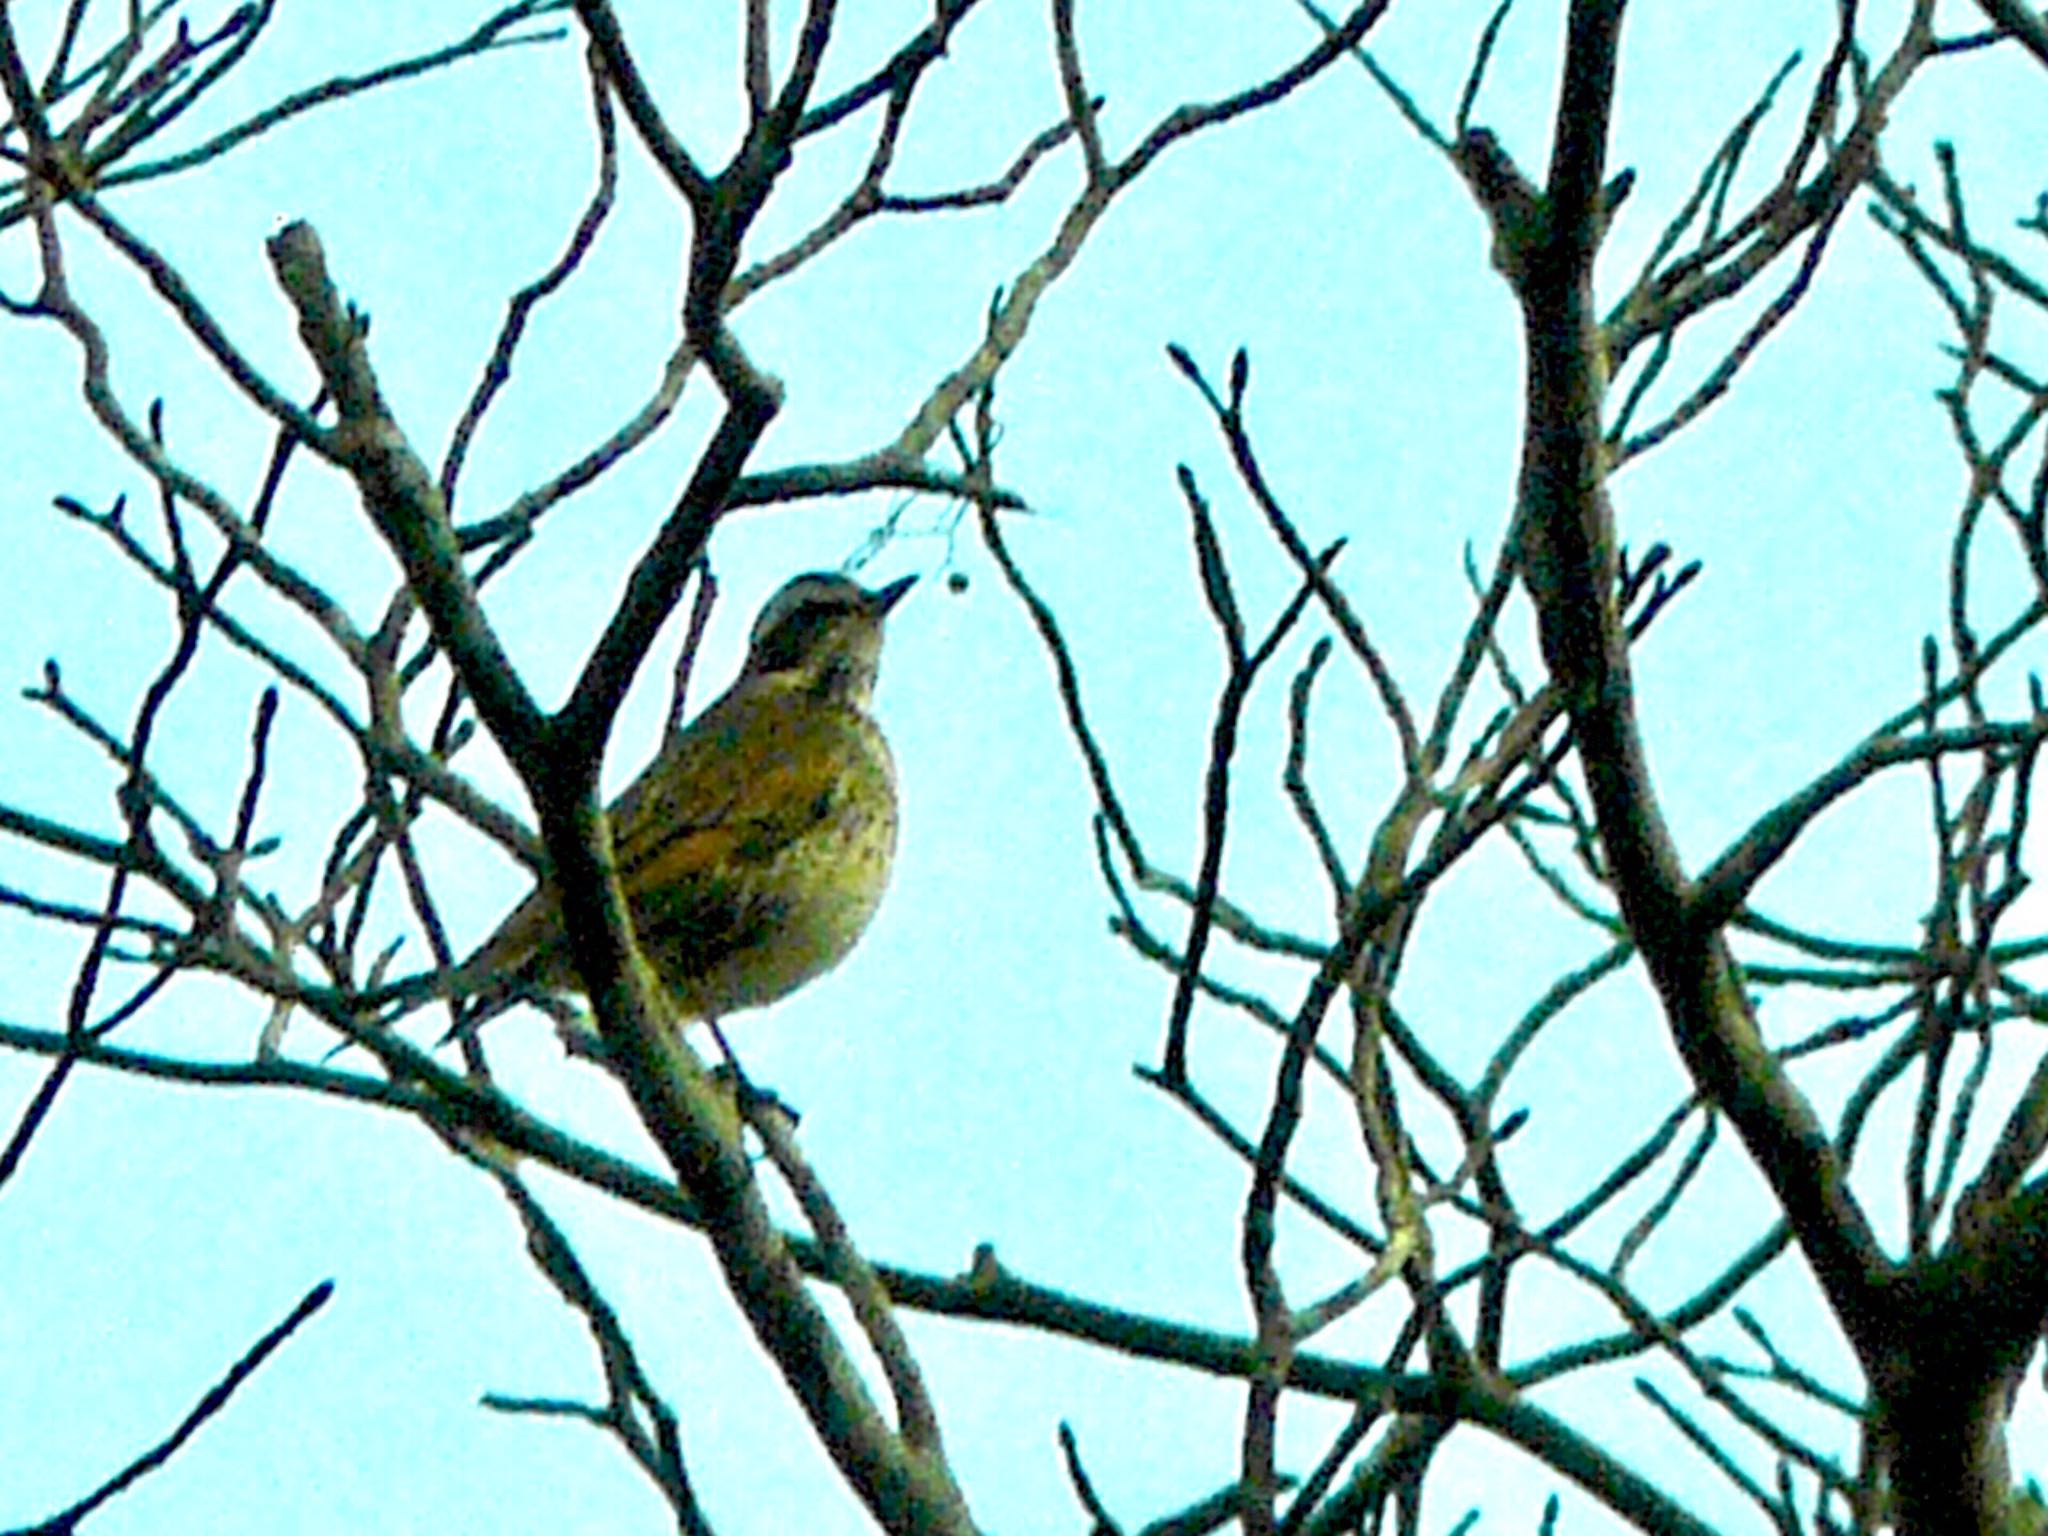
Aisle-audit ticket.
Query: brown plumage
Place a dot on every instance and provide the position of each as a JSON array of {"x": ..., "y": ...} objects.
[{"x": 754, "y": 850}]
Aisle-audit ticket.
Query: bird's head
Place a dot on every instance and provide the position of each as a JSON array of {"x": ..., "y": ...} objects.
[{"x": 827, "y": 629}]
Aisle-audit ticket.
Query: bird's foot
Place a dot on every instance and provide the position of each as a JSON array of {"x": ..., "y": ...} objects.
[{"x": 752, "y": 1100}]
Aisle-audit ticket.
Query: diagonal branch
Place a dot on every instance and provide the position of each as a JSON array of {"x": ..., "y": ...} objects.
[{"x": 1569, "y": 547}]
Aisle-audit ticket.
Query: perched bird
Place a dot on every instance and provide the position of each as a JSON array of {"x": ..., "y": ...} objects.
[{"x": 755, "y": 848}]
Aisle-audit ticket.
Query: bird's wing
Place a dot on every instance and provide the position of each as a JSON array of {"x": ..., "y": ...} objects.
[
  {"x": 749, "y": 777},
  {"x": 742, "y": 783},
  {"x": 699, "y": 836}
]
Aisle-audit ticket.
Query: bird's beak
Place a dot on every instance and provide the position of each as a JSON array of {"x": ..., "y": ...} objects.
[{"x": 888, "y": 597}]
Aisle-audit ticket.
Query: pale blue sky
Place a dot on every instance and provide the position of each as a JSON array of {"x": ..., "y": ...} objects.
[{"x": 965, "y": 1077}]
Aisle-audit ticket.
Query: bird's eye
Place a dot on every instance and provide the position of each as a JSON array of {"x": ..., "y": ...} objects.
[
  {"x": 798, "y": 634},
  {"x": 817, "y": 614}
]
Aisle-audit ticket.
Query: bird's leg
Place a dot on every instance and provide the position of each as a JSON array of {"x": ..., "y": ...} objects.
[
  {"x": 751, "y": 1100},
  {"x": 575, "y": 1029}
]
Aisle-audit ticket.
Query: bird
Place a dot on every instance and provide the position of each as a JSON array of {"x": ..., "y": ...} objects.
[{"x": 754, "y": 850}]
